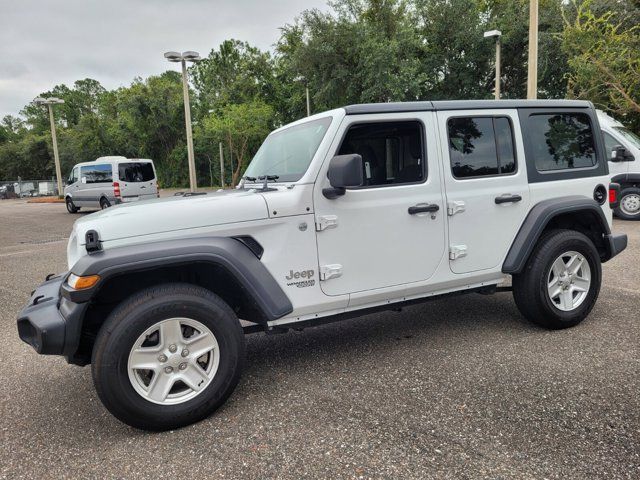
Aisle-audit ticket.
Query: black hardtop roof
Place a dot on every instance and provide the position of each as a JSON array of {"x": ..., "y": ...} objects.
[{"x": 427, "y": 106}]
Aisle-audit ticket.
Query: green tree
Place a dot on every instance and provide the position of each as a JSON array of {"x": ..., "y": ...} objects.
[
  {"x": 242, "y": 127},
  {"x": 604, "y": 62}
]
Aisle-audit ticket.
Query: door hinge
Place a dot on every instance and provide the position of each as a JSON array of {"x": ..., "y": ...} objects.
[
  {"x": 457, "y": 206},
  {"x": 457, "y": 251},
  {"x": 326, "y": 221},
  {"x": 330, "y": 271}
]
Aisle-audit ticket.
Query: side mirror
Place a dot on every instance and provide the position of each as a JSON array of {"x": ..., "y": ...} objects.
[
  {"x": 83, "y": 179},
  {"x": 621, "y": 154},
  {"x": 345, "y": 171}
]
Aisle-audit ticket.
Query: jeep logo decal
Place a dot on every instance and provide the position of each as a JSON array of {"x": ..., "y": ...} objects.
[{"x": 301, "y": 279}]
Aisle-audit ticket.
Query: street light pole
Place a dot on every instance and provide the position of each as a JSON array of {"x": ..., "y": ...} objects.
[
  {"x": 50, "y": 102},
  {"x": 532, "y": 76},
  {"x": 306, "y": 88},
  {"x": 496, "y": 34},
  {"x": 183, "y": 59}
]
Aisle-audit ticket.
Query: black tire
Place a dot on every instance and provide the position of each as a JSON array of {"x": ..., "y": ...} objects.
[
  {"x": 140, "y": 312},
  {"x": 71, "y": 208},
  {"x": 530, "y": 287},
  {"x": 620, "y": 210},
  {"x": 104, "y": 203}
]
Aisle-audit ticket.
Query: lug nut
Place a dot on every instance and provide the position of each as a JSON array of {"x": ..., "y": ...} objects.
[
  {"x": 185, "y": 352},
  {"x": 162, "y": 358},
  {"x": 182, "y": 366},
  {"x": 173, "y": 348},
  {"x": 168, "y": 369}
]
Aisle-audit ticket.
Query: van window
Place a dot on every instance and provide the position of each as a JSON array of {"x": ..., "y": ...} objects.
[
  {"x": 136, "y": 172},
  {"x": 610, "y": 144},
  {"x": 73, "y": 176},
  {"x": 481, "y": 146},
  {"x": 392, "y": 152},
  {"x": 100, "y": 173},
  {"x": 562, "y": 141}
]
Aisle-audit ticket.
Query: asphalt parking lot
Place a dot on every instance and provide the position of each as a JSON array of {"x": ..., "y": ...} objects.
[{"x": 456, "y": 388}]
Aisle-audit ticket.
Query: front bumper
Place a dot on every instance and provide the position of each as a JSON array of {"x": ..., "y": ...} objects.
[
  {"x": 49, "y": 322},
  {"x": 617, "y": 243}
]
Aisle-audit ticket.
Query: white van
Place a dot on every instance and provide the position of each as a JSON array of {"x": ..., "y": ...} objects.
[
  {"x": 623, "y": 150},
  {"x": 108, "y": 181}
]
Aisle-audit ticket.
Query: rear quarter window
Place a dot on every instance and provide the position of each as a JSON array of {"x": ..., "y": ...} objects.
[
  {"x": 562, "y": 141},
  {"x": 136, "y": 172}
]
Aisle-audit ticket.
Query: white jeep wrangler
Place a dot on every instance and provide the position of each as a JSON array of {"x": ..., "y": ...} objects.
[{"x": 362, "y": 208}]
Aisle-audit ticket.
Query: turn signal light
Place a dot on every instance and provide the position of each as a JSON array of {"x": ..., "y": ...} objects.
[{"x": 82, "y": 283}]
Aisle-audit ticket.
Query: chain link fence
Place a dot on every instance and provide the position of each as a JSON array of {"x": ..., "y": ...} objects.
[{"x": 27, "y": 188}]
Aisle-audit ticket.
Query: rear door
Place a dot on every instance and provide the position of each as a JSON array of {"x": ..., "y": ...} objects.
[
  {"x": 137, "y": 180},
  {"x": 486, "y": 185},
  {"x": 96, "y": 181}
]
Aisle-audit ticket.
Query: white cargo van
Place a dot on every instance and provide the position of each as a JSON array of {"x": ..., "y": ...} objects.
[
  {"x": 623, "y": 151},
  {"x": 108, "y": 181}
]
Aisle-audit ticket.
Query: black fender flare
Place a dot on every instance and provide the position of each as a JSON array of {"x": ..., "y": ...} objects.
[
  {"x": 626, "y": 178},
  {"x": 227, "y": 252},
  {"x": 540, "y": 216}
]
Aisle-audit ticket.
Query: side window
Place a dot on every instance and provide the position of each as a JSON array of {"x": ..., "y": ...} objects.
[
  {"x": 392, "y": 152},
  {"x": 73, "y": 176},
  {"x": 481, "y": 146},
  {"x": 562, "y": 141},
  {"x": 610, "y": 144},
  {"x": 136, "y": 172},
  {"x": 97, "y": 173}
]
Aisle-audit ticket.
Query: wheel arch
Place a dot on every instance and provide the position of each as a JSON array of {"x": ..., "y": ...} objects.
[
  {"x": 575, "y": 213},
  {"x": 223, "y": 265},
  {"x": 627, "y": 179}
]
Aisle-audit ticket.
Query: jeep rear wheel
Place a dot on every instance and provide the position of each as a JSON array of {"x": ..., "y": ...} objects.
[
  {"x": 561, "y": 280},
  {"x": 629, "y": 208},
  {"x": 167, "y": 357}
]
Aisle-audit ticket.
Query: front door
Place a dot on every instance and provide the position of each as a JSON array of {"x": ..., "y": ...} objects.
[
  {"x": 486, "y": 185},
  {"x": 390, "y": 231}
]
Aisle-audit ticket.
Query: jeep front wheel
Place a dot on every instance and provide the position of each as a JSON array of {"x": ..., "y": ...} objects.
[
  {"x": 561, "y": 280},
  {"x": 167, "y": 357}
]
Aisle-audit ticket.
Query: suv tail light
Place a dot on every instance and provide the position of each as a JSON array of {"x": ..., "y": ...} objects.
[
  {"x": 614, "y": 195},
  {"x": 116, "y": 189}
]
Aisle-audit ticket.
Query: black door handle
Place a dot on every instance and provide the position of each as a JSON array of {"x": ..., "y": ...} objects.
[
  {"x": 422, "y": 208},
  {"x": 508, "y": 199}
]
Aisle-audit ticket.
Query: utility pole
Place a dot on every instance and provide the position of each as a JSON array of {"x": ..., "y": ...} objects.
[
  {"x": 183, "y": 59},
  {"x": 532, "y": 77},
  {"x": 50, "y": 102},
  {"x": 221, "y": 165},
  {"x": 306, "y": 88}
]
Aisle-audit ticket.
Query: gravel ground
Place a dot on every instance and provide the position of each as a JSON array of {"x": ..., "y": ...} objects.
[{"x": 455, "y": 388}]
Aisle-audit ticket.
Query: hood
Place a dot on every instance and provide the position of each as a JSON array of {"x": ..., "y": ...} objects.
[{"x": 168, "y": 214}]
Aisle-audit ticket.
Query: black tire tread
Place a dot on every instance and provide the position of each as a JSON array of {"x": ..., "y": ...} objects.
[
  {"x": 102, "y": 356},
  {"x": 529, "y": 287}
]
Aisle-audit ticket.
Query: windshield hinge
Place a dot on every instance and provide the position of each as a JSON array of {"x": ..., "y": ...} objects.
[{"x": 326, "y": 221}]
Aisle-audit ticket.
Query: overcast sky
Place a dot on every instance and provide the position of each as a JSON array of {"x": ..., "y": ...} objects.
[{"x": 47, "y": 42}]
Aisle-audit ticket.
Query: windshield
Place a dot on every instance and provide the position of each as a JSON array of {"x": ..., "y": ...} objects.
[
  {"x": 629, "y": 135},
  {"x": 288, "y": 153}
]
